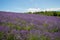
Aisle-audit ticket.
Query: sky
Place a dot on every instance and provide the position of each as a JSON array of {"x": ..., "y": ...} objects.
[{"x": 29, "y": 5}]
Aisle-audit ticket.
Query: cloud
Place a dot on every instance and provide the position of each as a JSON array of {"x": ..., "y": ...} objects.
[
  {"x": 53, "y": 9},
  {"x": 39, "y": 9},
  {"x": 21, "y": 10},
  {"x": 33, "y": 9}
]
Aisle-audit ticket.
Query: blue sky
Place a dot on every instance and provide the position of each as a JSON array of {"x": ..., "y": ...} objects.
[{"x": 23, "y": 5}]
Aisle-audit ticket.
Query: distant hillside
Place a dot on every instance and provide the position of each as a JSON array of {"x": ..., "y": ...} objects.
[{"x": 48, "y": 13}]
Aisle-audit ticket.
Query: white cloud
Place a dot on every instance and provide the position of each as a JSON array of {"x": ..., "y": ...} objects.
[
  {"x": 39, "y": 9},
  {"x": 53, "y": 9},
  {"x": 33, "y": 9}
]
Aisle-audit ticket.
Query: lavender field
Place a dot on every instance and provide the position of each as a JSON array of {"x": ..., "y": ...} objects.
[{"x": 20, "y": 26}]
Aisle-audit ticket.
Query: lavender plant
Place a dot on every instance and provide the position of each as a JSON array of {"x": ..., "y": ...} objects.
[{"x": 18, "y": 26}]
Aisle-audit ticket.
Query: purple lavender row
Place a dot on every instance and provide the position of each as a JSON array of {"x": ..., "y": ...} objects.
[{"x": 18, "y": 26}]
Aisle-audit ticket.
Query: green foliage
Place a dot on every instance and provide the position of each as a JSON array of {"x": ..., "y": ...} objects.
[
  {"x": 48, "y": 13},
  {"x": 23, "y": 22},
  {"x": 3, "y": 23},
  {"x": 1, "y": 35},
  {"x": 33, "y": 37},
  {"x": 28, "y": 28},
  {"x": 30, "y": 12},
  {"x": 44, "y": 38},
  {"x": 17, "y": 27},
  {"x": 0, "y": 23},
  {"x": 10, "y": 24},
  {"x": 45, "y": 25},
  {"x": 57, "y": 38},
  {"x": 54, "y": 30},
  {"x": 10, "y": 37}
]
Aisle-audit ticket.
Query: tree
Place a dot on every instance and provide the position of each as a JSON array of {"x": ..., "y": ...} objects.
[{"x": 54, "y": 14}]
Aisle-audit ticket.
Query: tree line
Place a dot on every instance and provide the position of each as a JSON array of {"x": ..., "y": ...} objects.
[{"x": 48, "y": 13}]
